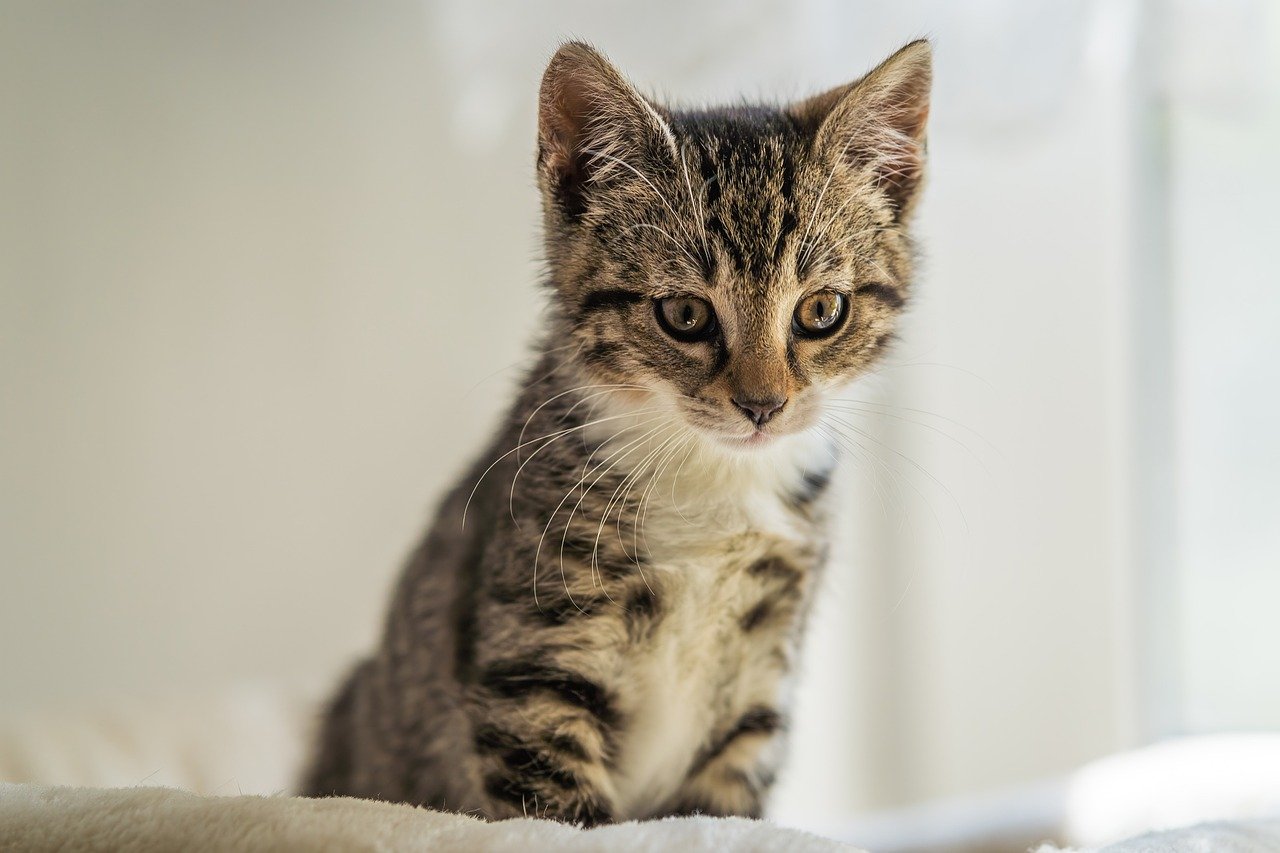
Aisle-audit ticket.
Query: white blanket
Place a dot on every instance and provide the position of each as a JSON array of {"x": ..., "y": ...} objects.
[
  {"x": 37, "y": 818},
  {"x": 1244, "y": 836}
]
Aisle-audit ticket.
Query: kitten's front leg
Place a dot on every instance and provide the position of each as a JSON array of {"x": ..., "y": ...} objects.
[
  {"x": 734, "y": 773},
  {"x": 542, "y": 742}
]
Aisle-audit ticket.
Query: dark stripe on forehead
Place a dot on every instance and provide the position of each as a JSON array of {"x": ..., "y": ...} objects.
[
  {"x": 747, "y": 160},
  {"x": 711, "y": 198},
  {"x": 752, "y": 215},
  {"x": 710, "y": 175},
  {"x": 787, "y": 189},
  {"x": 717, "y": 162},
  {"x": 784, "y": 231},
  {"x": 716, "y": 226},
  {"x": 787, "y": 193}
]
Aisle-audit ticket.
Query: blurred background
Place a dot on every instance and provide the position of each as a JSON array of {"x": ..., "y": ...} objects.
[{"x": 268, "y": 276}]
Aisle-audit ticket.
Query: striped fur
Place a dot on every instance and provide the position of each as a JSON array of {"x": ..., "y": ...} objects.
[{"x": 602, "y": 622}]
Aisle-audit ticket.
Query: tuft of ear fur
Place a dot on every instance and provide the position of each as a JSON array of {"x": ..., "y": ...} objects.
[
  {"x": 592, "y": 126},
  {"x": 878, "y": 122}
]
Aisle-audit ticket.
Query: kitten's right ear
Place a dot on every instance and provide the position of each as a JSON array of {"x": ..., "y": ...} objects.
[
  {"x": 878, "y": 122},
  {"x": 592, "y": 125}
]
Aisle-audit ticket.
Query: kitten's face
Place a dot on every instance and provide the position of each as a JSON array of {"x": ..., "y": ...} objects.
[{"x": 734, "y": 266}]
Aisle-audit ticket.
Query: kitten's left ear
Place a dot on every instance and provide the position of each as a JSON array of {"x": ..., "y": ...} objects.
[
  {"x": 593, "y": 126},
  {"x": 878, "y": 122}
]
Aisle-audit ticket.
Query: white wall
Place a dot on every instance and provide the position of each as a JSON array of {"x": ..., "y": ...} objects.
[
  {"x": 265, "y": 277},
  {"x": 1225, "y": 128},
  {"x": 1002, "y": 595},
  {"x": 248, "y": 288}
]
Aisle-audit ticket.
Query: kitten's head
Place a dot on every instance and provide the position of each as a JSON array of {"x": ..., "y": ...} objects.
[{"x": 735, "y": 265}]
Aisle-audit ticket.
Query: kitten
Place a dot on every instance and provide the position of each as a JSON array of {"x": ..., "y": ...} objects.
[{"x": 603, "y": 620}]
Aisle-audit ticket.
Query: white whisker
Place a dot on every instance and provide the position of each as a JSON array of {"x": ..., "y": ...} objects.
[
  {"x": 661, "y": 196},
  {"x": 702, "y": 222},
  {"x": 551, "y": 519},
  {"x": 632, "y": 477},
  {"x": 523, "y": 444}
]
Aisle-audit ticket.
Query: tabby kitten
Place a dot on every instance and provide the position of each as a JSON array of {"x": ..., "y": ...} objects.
[{"x": 602, "y": 622}]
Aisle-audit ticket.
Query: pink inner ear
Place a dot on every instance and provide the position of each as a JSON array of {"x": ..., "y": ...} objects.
[
  {"x": 592, "y": 126},
  {"x": 891, "y": 134},
  {"x": 561, "y": 129},
  {"x": 881, "y": 125},
  {"x": 574, "y": 100},
  {"x": 567, "y": 115},
  {"x": 574, "y": 97},
  {"x": 912, "y": 113}
]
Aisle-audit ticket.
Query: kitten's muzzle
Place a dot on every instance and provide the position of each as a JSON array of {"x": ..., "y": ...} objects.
[{"x": 760, "y": 411}]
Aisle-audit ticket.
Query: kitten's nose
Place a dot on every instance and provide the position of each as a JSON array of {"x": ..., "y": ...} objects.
[{"x": 760, "y": 411}]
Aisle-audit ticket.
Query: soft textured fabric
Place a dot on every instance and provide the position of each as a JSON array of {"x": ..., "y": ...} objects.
[
  {"x": 37, "y": 818},
  {"x": 1185, "y": 781},
  {"x": 1260, "y": 836},
  {"x": 162, "y": 819}
]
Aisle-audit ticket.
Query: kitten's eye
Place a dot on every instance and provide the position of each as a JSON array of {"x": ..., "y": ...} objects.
[
  {"x": 686, "y": 318},
  {"x": 819, "y": 314}
]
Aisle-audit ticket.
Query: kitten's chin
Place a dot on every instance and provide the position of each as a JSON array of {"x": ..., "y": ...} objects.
[{"x": 752, "y": 441}]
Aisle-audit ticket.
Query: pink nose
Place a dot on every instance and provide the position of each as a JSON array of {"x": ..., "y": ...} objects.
[{"x": 760, "y": 411}]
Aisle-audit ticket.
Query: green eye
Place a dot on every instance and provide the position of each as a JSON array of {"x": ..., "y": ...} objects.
[
  {"x": 819, "y": 314},
  {"x": 686, "y": 318}
]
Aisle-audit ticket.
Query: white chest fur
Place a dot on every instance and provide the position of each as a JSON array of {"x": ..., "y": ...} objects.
[{"x": 720, "y": 516}]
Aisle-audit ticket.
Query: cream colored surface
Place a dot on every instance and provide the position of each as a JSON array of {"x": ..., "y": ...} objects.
[{"x": 159, "y": 819}]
